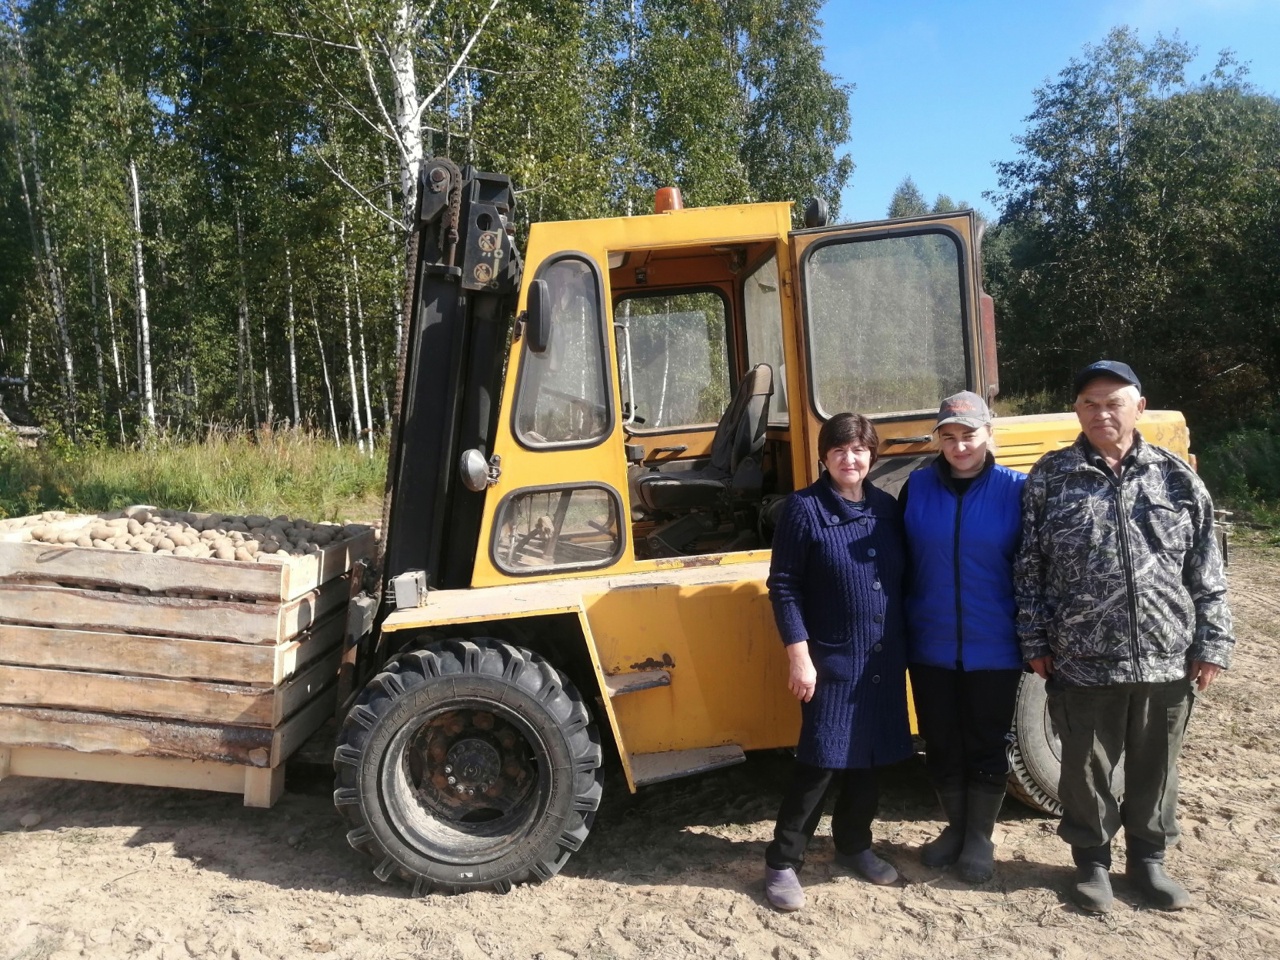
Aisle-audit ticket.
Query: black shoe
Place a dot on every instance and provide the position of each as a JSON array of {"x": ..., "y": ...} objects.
[
  {"x": 1160, "y": 889},
  {"x": 1092, "y": 890}
]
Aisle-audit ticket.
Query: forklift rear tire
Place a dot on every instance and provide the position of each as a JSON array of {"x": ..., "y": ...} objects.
[
  {"x": 1035, "y": 752},
  {"x": 1035, "y": 757},
  {"x": 470, "y": 764}
]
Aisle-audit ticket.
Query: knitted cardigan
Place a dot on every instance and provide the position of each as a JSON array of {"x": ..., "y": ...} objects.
[{"x": 836, "y": 580}]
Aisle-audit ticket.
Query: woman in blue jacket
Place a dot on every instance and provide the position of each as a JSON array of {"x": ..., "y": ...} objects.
[
  {"x": 835, "y": 581},
  {"x": 962, "y": 516}
]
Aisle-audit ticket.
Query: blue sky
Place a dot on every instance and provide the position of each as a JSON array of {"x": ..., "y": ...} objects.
[{"x": 944, "y": 85}]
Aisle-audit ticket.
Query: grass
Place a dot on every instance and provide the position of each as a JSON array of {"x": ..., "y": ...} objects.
[{"x": 296, "y": 474}]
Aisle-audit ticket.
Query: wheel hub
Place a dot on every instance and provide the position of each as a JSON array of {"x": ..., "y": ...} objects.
[{"x": 472, "y": 764}]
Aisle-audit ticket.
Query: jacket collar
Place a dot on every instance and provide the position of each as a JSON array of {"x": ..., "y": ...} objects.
[
  {"x": 834, "y": 509},
  {"x": 1086, "y": 457},
  {"x": 940, "y": 466}
]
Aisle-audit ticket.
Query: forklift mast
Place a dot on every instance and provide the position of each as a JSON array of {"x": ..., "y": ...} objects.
[{"x": 466, "y": 278}]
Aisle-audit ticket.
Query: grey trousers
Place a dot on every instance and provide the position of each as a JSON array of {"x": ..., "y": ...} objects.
[{"x": 1143, "y": 721}]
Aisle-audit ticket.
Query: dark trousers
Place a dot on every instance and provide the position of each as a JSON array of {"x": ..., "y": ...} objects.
[
  {"x": 1143, "y": 721},
  {"x": 856, "y": 805},
  {"x": 964, "y": 717}
]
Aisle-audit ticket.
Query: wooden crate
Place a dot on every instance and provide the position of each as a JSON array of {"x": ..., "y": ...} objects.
[
  {"x": 167, "y": 671},
  {"x": 281, "y": 579}
]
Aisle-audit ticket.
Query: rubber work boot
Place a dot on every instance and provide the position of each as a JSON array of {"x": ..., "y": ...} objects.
[
  {"x": 1092, "y": 890},
  {"x": 867, "y": 865},
  {"x": 976, "y": 863},
  {"x": 944, "y": 850},
  {"x": 1146, "y": 874},
  {"x": 782, "y": 889}
]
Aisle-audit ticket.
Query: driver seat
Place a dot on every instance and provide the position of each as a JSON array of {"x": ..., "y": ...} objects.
[{"x": 733, "y": 471}]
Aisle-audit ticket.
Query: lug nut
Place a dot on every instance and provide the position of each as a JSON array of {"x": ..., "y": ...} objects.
[{"x": 453, "y": 780}]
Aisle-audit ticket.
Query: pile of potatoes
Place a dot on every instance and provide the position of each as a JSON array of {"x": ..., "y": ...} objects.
[{"x": 142, "y": 529}]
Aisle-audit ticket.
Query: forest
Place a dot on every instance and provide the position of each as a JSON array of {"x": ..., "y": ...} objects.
[{"x": 206, "y": 202}]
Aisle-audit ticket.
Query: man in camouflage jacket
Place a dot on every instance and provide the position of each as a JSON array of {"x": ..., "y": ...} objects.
[{"x": 1122, "y": 609}]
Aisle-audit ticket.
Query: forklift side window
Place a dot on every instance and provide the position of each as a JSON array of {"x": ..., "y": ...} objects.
[
  {"x": 563, "y": 395},
  {"x": 886, "y": 322},
  {"x": 561, "y": 527},
  {"x": 762, "y": 301},
  {"x": 678, "y": 359}
]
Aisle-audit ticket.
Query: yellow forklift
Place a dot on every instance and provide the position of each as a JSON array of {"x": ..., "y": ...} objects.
[{"x": 589, "y": 449}]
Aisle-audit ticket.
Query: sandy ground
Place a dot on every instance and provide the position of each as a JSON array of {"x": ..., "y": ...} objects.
[{"x": 113, "y": 871}]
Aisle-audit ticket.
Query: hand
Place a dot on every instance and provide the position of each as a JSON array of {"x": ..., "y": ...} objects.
[
  {"x": 803, "y": 677},
  {"x": 1201, "y": 673},
  {"x": 1043, "y": 666}
]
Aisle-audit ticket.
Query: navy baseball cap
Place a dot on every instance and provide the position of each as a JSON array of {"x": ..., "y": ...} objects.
[{"x": 1106, "y": 368}]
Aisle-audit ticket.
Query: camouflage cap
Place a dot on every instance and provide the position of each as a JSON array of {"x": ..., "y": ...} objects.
[{"x": 965, "y": 407}]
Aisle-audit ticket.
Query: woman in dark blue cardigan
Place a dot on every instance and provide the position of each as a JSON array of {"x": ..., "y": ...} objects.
[{"x": 836, "y": 585}]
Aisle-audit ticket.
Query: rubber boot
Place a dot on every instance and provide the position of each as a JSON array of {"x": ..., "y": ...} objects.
[
  {"x": 976, "y": 863},
  {"x": 1092, "y": 890},
  {"x": 1144, "y": 868},
  {"x": 944, "y": 850}
]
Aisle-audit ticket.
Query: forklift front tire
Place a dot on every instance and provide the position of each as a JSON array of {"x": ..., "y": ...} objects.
[{"x": 470, "y": 764}]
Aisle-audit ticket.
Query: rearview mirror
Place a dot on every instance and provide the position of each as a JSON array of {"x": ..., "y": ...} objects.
[{"x": 537, "y": 317}]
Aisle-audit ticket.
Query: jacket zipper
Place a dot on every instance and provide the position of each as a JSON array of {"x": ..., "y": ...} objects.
[
  {"x": 1122, "y": 524},
  {"x": 955, "y": 563}
]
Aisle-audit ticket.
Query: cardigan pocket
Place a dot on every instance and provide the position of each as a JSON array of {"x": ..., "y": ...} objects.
[{"x": 833, "y": 660}]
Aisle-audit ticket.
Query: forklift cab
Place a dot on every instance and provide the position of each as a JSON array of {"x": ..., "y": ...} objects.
[{"x": 691, "y": 358}]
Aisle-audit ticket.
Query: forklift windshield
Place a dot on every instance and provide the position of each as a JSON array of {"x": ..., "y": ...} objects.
[{"x": 885, "y": 322}]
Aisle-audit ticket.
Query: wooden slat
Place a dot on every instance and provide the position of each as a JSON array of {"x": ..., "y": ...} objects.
[
  {"x": 291, "y": 735},
  {"x": 170, "y": 699},
  {"x": 141, "y": 737},
  {"x": 173, "y": 657},
  {"x": 303, "y": 574},
  {"x": 147, "y": 771},
  {"x": 133, "y": 736},
  {"x": 54, "y": 606},
  {"x": 157, "y": 573},
  {"x": 165, "y": 574}
]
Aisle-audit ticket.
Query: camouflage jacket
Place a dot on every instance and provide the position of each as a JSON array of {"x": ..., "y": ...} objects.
[{"x": 1121, "y": 580}]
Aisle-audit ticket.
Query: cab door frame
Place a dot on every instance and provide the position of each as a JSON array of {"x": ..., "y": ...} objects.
[{"x": 901, "y": 431}]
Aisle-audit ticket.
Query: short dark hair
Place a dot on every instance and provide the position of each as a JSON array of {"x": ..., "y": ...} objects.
[{"x": 846, "y": 428}]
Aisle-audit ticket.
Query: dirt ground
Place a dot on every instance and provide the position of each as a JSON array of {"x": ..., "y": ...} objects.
[{"x": 115, "y": 871}]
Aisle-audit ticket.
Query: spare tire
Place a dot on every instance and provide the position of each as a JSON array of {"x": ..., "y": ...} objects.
[
  {"x": 1035, "y": 752},
  {"x": 470, "y": 764}
]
